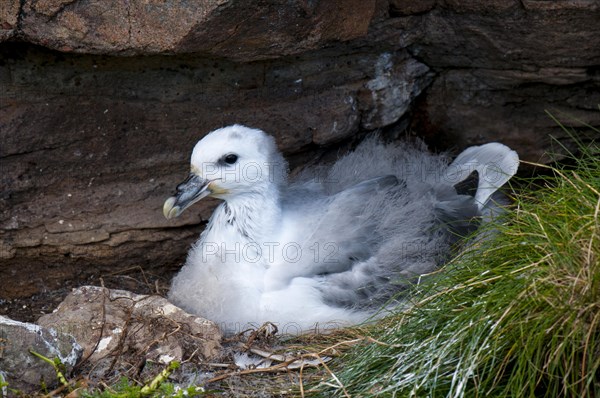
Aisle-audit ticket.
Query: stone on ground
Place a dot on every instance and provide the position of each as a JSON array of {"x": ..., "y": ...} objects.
[
  {"x": 120, "y": 330},
  {"x": 22, "y": 370}
]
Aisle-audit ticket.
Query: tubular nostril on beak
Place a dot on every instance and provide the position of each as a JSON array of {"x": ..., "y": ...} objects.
[{"x": 185, "y": 184}]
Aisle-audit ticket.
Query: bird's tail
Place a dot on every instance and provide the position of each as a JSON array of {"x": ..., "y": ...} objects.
[{"x": 495, "y": 164}]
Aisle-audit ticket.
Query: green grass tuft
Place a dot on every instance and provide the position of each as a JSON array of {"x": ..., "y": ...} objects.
[{"x": 517, "y": 315}]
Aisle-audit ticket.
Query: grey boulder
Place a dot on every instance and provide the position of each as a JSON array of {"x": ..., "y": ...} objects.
[{"x": 22, "y": 370}]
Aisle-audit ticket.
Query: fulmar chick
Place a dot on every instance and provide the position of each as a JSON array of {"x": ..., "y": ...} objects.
[{"x": 329, "y": 248}]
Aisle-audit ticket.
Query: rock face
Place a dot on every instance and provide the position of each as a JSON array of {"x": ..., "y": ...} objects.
[
  {"x": 502, "y": 64},
  {"x": 9, "y": 16},
  {"x": 21, "y": 369},
  {"x": 102, "y": 101},
  {"x": 234, "y": 29},
  {"x": 117, "y": 328}
]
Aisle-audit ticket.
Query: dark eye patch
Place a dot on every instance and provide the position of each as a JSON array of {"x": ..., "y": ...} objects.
[{"x": 230, "y": 158}]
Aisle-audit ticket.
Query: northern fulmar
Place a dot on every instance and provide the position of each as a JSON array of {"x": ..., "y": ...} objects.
[{"x": 332, "y": 246}]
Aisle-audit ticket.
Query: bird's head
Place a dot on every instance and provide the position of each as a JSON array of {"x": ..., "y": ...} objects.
[{"x": 229, "y": 162}]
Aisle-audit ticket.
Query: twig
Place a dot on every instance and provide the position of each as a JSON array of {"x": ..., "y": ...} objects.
[
  {"x": 274, "y": 368},
  {"x": 118, "y": 350},
  {"x": 340, "y": 384},
  {"x": 84, "y": 360},
  {"x": 216, "y": 365}
]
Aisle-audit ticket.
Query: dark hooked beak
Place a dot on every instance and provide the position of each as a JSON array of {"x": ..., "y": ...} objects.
[{"x": 188, "y": 192}]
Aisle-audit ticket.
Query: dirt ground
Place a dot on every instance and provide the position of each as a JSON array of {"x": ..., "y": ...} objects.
[{"x": 26, "y": 297}]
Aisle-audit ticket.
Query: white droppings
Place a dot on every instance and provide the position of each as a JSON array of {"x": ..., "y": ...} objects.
[
  {"x": 104, "y": 342},
  {"x": 165, "y": 359},
  {"x": 4, "y": 389},
  {"x": 169, "y": 309},
  {"x": 29, "y": 326},
  {"x": 69, "y": 359}
]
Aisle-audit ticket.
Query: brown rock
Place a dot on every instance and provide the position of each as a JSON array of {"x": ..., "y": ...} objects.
[
  {"x": 511, "y": 107},
  {"x": 408, "y": 7},
  {"x": 9, "y": 16},
  {"x": 589, "y": 5},
  {"x": 111, "y": 26},
  {"x": 489, "y": 6},
  {"x": 22, "y": 370},
  {"x": 518, "y": 39},
  {"x": 117, "y": 326},
  {"x": 233, "y": 29}
]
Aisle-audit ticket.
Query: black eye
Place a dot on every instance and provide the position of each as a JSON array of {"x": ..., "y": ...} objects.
[{"x": 231, "y": 158}]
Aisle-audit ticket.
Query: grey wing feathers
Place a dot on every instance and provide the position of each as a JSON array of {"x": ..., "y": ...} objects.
[
  {"x": 386, "y": 230},
  {"x": 347, "y": 227},
  {"x": 477, "y": 173}
]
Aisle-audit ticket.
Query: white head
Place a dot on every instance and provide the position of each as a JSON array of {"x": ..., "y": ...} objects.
[{"x": 227, "y": 163}]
